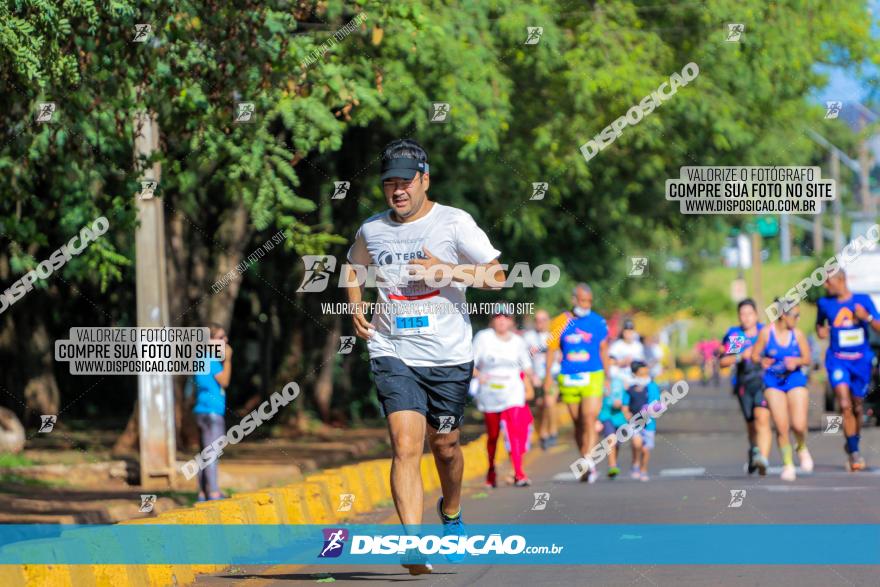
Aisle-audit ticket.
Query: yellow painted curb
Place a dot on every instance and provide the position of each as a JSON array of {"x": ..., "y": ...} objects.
[
  {"x": 354, "y": 476},
  {"x": 12, "y": 575},
  {"x": 333, "y": 485},
  {"x": 315, "y": 500}
]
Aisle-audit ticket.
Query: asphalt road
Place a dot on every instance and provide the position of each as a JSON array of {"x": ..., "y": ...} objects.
[{"x": 693, "y": 474}]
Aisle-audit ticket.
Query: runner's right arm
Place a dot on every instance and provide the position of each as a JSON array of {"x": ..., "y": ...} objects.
[
  {"x": 822, "y": 328},
  {"x": 727, "y": 359}
]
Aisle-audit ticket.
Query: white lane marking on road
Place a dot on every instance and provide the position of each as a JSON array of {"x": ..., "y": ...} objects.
[
  {"x": 701, "y": 471},
  {"x": 683, "y": 472},
  {"x": 796, "y": 488},
  {"x": 566, "y": 476},
  {"x": 871, "y": 471}
]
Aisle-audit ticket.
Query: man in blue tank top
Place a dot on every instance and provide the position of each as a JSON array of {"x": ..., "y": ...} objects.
[{"x": 845, "y": 317}]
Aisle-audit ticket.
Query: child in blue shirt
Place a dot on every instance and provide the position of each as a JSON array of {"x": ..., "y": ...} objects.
[
  {"x": 642, "y": 392},
  {"x": 210, "y": 410},
  {"x": 614, "y": 414}
]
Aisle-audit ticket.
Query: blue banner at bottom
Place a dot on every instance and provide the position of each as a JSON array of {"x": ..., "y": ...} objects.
[{"x": 495, "y": 544}]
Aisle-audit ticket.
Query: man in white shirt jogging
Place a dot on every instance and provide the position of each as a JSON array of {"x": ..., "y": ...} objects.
[{"x": 420, "y": 352}]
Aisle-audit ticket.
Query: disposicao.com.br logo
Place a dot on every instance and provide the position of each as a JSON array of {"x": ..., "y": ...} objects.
[{"x": 394, "y": 544}]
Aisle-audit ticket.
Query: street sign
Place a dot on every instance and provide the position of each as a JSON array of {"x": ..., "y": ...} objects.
[{"x": 766, "y": 226}]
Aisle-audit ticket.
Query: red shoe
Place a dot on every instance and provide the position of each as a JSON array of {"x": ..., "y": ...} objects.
[{"x": 491, "y": 481}]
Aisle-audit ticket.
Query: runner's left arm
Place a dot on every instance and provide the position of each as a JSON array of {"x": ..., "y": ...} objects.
[
  {"x": 525, "y": 363},
  {"x": 358, "y": 256},
  {"x": 758, "y": 347},
  {"x": 606, "y": 361},
  {"x": 868, "y": 313}
]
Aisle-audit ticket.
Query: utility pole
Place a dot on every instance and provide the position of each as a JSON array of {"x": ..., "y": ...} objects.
[
  {"x": 864, "y": 170},
  {"x": 155, "y": 392},
  {"x": 785, "y": 239},
  {"x": 756, "y": 269},
  {"x": 836, "y": 205}
]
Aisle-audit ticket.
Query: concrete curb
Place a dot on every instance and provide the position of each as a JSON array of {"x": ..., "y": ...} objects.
[{"x": 314, "y": 500}]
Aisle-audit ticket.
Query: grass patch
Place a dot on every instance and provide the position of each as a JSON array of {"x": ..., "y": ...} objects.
[
  {"x": 14, "y": 460},
  {"x": 15, "y": 479}
]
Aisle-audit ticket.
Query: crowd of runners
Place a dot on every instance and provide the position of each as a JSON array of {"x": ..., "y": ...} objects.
[
  {"x": 425, "y": 363},
  {"x": 569, "y": 360},
  {"x": 770, "y": 364}
]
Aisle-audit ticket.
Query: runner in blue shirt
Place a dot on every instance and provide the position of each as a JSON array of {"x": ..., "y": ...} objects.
[
  {"x": 845, "y": 316},
  {"x": 581, "y": 336},
  {"x": 782, "y": 351},
  {"x": 748, "y": 385}
]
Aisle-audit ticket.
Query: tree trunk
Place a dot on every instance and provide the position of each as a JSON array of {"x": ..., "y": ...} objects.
[
  {"x": 128, "y": 441},
  {"x": 41, "y": 393},
  {"x": 234, "y": 235},
  {"x": 291, "y": 367},
  {"x": 324, "y": 383}
]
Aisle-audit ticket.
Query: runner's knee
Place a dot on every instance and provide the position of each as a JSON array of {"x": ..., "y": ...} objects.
[
  {"x": 407, "y": 449},
  {"x": 444, "y": 449}
]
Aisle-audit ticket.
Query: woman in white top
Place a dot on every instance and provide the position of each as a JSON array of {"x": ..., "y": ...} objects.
[
  {"x": 503, "y": 371},
  {"x": 626, "y": 349}
]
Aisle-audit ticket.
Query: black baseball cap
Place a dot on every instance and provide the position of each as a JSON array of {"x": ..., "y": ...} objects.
[
  {"x": 636, "y": 365},
  {"x": 629, "y": 324},
  {"x": 402, "y": 167}
]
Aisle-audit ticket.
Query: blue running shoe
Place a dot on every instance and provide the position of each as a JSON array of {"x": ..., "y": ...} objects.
[
  {"x": 451, "y": 527},
  {"x": 416, "y": 563}
]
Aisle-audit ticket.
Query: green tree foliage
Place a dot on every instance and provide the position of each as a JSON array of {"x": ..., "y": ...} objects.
[{"x": 326, "y": 102}]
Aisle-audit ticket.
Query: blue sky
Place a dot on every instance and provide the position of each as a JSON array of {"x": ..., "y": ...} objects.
[{"x": 848, "y": 85}]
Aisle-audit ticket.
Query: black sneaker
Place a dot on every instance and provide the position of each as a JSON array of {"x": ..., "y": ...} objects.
[{"x": 752, "y": 467}]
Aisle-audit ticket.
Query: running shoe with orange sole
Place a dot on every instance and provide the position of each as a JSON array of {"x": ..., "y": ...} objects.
[{"x": 856, "y": 462}]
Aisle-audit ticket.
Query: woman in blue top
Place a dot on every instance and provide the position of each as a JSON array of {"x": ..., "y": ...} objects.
[
  {"x": 209, "y": 410},
  {"x": 748, "y": 384},
  {"x": 782, "y": 350}
]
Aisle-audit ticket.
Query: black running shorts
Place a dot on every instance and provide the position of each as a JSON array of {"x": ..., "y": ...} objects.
[
  {"x": 439, "y": 393},
  {"x": 750, "y": 391}
]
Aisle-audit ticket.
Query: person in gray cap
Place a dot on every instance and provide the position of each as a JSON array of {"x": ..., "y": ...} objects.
[{"x": 420, "y": 353}]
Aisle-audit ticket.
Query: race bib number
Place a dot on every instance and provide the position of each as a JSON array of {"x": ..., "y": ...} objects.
[
  {"x": 850, "y": 338},
  {"x": 409, "y": 325},
  {"x": 576, "y": 380}
]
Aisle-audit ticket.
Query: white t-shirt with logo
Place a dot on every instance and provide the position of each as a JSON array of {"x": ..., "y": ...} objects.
[
  {"x": 501, "y": 361},
  {"x": 430, "y": 328}
]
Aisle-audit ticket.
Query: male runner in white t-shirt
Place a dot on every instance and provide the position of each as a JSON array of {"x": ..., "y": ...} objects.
[{"x": 420, "y": 354}]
